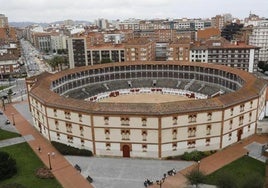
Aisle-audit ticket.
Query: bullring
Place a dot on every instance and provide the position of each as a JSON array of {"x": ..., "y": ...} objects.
[{"x": 226, "y": 105}]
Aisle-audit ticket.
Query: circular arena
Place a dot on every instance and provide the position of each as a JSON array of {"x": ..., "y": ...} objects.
[{"x": 147, "y": 109}]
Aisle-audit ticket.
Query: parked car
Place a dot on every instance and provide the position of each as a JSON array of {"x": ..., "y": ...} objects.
[
  {"x": 7, "y": 122},
  {"x": 1, "y": 113}
]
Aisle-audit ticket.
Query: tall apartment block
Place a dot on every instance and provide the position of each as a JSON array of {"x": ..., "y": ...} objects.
[
  {"x": 219, "y": 51},
  {"x": 259, "y": 38}
]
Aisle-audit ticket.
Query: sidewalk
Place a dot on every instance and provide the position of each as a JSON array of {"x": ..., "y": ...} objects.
[
  {"x": 214, "y": 162},
  {"x": 63, "y": 171}
]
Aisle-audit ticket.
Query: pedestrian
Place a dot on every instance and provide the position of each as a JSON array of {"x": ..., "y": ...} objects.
[{"x": 39, "y": 149}]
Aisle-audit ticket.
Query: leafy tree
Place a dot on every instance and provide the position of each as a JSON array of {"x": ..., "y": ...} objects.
[
  {"x": 196, "y": 177},
  {"x": 8, "y": 166},
  {"x": 230, "y": 31},
  {"x": 261, "y": 64},
  {"x": 57, "y": 61},
  {"x": 226, "y": 181},
  {"x": 106, "y": 61}
]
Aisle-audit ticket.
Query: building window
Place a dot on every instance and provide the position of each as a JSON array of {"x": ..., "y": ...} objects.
[
  {"x": 125, "y": 121},
  {"x": 251, "y": 104},
  {"x": 209, "y": 116},
  {"x": 207, "y": 141},
  {"x": 125, "y": 134},
  {"x": 69, "y": 127},
  {"x": 192, "y": 118},
  {"x": 82, "y": 142},
  {"x": 144, "y": 147},
  {"x": 231, "y": 111},
  {"x": 107, "y": 134},
  {"x": 81, "y": 130},
  {"x": 250, "y": 116},
  {"x": 55, "y": 112},
  {"x": 80, "y": 117},
  {"x": 241, "y": 119},
  {"x": 70, "y": 138},
  {"x": 58, "y": 136},
  {"x": 248, "y": 128},
  {"x": 208, "y": 129},
  {"x": 106, "y": 120},
  {"x": 191, "y": 144},
  {"x": 67, "y": 115},
  {"x": 175, "y": 120},
  {"x": 144, "y": 121},
  {"x": 174, "y": 146},
  {"x": 108, "y": 146},
  {"x": 230, "y": 136},
  {"x": 242, "y": 107},
  {"x": 191, "y": 131},
  {"x": 174, "y": 134},
  {"x": 144, "y": 135},
  {"x": 57, "y": 124},
  {"x": 231, "y": 124}
]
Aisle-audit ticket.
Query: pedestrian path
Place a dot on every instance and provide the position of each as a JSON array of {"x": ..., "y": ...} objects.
[
  {"x": 17, "y": 140},
  {"x": 63, "y": 171}
]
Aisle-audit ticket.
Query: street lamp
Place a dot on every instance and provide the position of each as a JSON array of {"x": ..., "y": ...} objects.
[
  {"x": 160, "y": 182},
  {"x": 3, "y": 103},
  {"x": 13, "y": 119},
  {"x": 21, "y": 95},
  {"x": 49, "y": 162},
  {"x": 198, "y": 166}
]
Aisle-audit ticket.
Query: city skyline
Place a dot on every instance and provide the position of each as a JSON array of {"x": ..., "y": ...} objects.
[{"x": 50, "y": 11}]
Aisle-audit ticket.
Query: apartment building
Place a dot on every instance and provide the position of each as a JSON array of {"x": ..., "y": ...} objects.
[
  {"x": 259, "y": 38},
  {"x": 3, "y": 20},
  {"x": 58, "y": 41},
  {"x": 140, "y": 49},
  {"x": 105, "y": 53},
  {"x": 179, "y": 49},
  {"x": 220, "y": 51},
  {"x": 42, "y": 41}
]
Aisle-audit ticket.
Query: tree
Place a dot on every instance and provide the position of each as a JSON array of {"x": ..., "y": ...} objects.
[
  {"x": 8, "y": 166},
  {"x": 196, "y": 177},
  {"x": 261, "y": 65},
  {"x": 57, "y": 61},
  {"x": 230, "y": 31}
]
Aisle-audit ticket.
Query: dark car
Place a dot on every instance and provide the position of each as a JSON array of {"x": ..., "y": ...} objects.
[
  {"x": 1, "y": 113},
  {"x": 7, "y": 122}
]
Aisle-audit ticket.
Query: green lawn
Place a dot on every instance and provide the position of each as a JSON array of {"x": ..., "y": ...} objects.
[
  {"x": 27, "y": 163},
  {"x": 6, "y": 134},
  {"x": 241, "y": 170}
]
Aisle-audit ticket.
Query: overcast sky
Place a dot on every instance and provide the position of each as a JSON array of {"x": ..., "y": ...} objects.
[{"x": 90, "y": 10}]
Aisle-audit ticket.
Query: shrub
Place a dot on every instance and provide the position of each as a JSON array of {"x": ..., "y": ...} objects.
[
  {"x": 196, "y": 177},
  {"x": 8, "y": 166},
  {"x": 44, "y": 173},
  {"x": 69, "y": 150},
  {"x": 193, "y": 156}
]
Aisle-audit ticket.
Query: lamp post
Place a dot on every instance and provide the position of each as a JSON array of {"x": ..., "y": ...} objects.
[
  {"x": 198, "y": 166},
  {"x": 160, "y": 182},
  {"x": 49, "y": 162},
  {"x": 3, "y": 103},
  {"x": 13, "y": 119},
  {"x": 21, "y": 95}
]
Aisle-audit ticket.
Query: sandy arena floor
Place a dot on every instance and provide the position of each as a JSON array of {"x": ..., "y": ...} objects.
[{"x": 145, "y": 98}]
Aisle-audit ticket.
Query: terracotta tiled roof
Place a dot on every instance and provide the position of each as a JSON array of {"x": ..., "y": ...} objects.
[{"x": 250, "y": 90}]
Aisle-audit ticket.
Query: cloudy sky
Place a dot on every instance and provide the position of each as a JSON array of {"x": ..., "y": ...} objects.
[{"x": 89, "y": 10}]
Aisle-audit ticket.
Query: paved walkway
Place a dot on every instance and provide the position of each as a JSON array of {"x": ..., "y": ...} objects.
[{"x": 64, "y": 172}]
